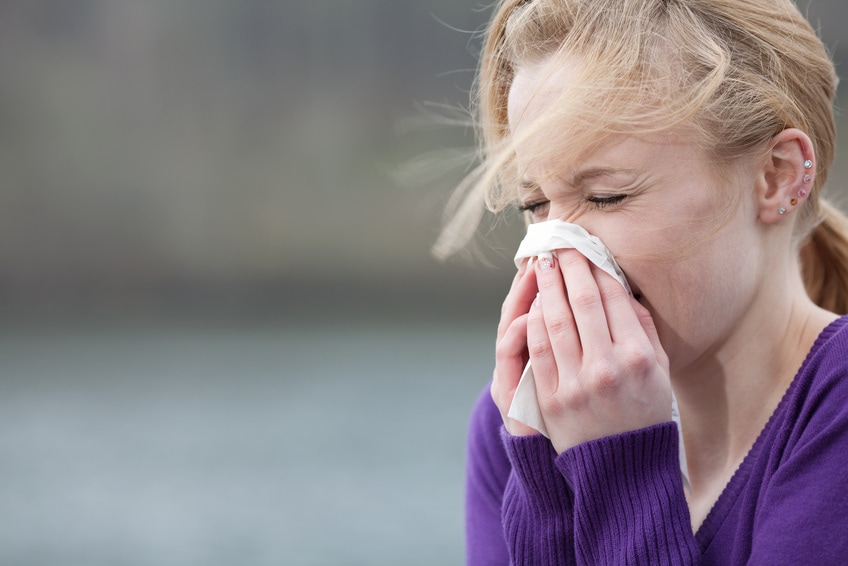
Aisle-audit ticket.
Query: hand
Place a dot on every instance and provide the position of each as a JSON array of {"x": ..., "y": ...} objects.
[
  {"x": 597, "y": 360},
  {"x": 511, "y": 349}
]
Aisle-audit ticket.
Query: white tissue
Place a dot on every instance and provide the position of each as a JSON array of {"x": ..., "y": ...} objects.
[
  {"x": 541, "y": 240},
  {"x": 545, "y": 237}
]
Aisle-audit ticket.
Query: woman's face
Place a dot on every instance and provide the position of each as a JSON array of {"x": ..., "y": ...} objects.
[{"x": 658, "y": 205}]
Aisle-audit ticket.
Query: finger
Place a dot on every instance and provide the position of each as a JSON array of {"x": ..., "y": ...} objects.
[
  {"x": 520, "y": 297},
  {"x": 522, "y": 269},
  {"x": 512, "y": 348},
  {"x": 586, "y": 303},
  {"x": 510, "y": 359},
  {"x": 622, "y": 320},
  {"x": 540, "y": 351},
  {"x": 552, "y": 340},
  {"x": 555, "y": 311}
]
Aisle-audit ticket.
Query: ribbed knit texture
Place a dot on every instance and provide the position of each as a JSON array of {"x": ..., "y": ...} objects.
[
  {"x": 619, "y": 500},
  {"x": 538, "y": 515},
  {"x": 640, "y": 516}
]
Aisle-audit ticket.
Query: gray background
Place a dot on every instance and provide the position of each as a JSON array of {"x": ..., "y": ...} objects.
[{"x": 223, "y": 339}]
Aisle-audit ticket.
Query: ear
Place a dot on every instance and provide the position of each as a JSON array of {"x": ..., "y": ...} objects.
[{"x": 786, "y": 177}]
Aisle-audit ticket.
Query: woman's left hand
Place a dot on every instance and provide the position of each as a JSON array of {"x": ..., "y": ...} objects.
[{"x": 597, "y": 360}]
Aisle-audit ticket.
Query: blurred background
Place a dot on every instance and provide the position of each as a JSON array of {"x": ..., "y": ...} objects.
[{"x": 223, "y": 338}]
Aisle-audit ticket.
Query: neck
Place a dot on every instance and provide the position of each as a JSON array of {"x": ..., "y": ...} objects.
[{"x": 728, "y": 394}]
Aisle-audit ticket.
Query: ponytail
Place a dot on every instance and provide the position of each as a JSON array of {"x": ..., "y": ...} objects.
[{"x": 824, "y": 261}]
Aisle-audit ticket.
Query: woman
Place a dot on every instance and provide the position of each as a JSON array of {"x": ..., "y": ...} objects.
[{"x": 693, "y": 137}]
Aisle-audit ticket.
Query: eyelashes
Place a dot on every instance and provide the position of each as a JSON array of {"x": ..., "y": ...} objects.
[
  {"x": 605, "y": 201},
  {"x": 597, "y": 202},
  {"x": 533, "y": 207}
]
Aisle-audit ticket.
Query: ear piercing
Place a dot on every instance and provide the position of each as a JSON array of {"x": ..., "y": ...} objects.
[{"x": 808, "y": 164}]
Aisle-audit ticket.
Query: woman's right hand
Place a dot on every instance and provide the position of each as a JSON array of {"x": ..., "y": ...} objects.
[{"x": 511, "y": 354}]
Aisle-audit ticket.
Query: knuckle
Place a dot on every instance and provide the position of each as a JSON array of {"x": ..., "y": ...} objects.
[
  {"x": 606, "y": 379},
  {"x": 506, "y": 344},
  {"x": 615, "y": 294},
  {"x": 570, "y": 257},
  {"x": 585, "y": 299},
  {"x": 548, "y": 283},
  {"x": 502, "y": 351},
  {"x": 538, "y": 347},
  {"x": 637, "y": 360},
  {"x": 558, "y": 326}
]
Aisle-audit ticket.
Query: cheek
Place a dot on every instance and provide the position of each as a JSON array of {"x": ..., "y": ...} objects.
[
  {"x": 692, "y": 297},
  {"x": 665, "y": 234}
]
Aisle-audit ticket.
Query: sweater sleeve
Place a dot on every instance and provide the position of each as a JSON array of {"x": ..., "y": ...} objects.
[
  {"x": 538, "y": 504},
  {"x": 487, "y": 470},
  {"x": 616, "y": 500},
  {"x": 629, "y": 505}
]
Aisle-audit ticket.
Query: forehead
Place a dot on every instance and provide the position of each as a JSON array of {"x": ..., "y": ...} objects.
[
  {"x": 549, "y": 142},
  {"x": 535, "y": 87}
]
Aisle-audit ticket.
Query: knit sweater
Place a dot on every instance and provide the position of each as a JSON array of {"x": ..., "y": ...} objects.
[{"x": 620, "y": 499}]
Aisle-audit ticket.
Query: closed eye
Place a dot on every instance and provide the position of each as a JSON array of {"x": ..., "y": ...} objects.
[
  {"x": 535, "y": 208},
  {"x": 605, "y": 200}
]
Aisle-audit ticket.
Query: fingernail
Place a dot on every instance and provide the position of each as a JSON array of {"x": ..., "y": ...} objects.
[
  {"x": 537, "y": 301},
  {"x": 547, "y": 261}
]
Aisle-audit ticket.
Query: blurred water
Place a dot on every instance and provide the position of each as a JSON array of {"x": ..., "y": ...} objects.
[{"x": 239, "y": 443}]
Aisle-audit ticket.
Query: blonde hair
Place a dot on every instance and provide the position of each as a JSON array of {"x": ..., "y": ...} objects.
[{"x": 730, "y": 73}]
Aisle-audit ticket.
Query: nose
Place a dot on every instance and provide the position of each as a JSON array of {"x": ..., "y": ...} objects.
[{"x": 570, "y": 215}]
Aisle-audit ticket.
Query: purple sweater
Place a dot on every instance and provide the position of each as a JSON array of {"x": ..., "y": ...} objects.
[{"x": 620, "y": 499}]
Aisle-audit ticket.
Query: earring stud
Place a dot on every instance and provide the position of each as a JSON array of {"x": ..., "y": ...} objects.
[
  {"x": 808, "y": 164},
  {"x": 781, "y": 211}
]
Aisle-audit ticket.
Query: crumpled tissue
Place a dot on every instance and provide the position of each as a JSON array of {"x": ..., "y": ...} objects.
[{"x": 541, "y": 241}]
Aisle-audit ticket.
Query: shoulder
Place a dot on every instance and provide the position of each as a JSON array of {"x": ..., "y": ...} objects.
[
  {"x": 834, "y": 336},
  {"x": 826, "y": 366},
  {"x": 819, "y": 400}
]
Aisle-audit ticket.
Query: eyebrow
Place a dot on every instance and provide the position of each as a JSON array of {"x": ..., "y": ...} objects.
[
  {"x": 581, "y": 177},
  {"x": 528, "y": 190}
]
